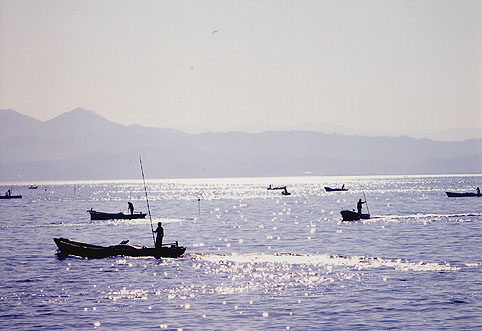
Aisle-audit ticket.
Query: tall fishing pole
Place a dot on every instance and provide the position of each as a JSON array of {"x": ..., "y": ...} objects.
[
  {"x": 470, "y": 183},
  {"x": 365, "y": 200},
  {"x": 147, "y": 201}
]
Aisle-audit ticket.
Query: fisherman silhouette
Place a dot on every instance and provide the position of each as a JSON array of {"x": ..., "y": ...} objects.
[
  {"x": 8, "y": 193},
  {"x": 131, "y": 207},
  {"x": 478, "y": 190},
  {"x": 160, "y": 235},
  {"x": 359, "y": 205}
]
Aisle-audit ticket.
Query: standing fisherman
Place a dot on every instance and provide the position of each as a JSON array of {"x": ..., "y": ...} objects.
[
  {"x": 131, "y": 207},
  {"x": 359, "y": 205},
  {"x": 160, "y": 235}
]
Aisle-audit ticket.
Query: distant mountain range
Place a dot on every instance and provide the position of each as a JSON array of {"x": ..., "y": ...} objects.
[{"x": 83, "y": 145}]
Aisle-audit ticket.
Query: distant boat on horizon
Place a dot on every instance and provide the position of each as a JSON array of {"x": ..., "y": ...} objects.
[
  {"x": 460, "y": 195},
  {"x": 283, "y": 188},
  {"x": 18, "y": 196},
  {"x": 285, "y": 192},
  {"x": 33, "y": 187},
  {"x": 329, "y": 189},
  {"x": 276, "y": 187},
  {"x": 8, "y": 195}
]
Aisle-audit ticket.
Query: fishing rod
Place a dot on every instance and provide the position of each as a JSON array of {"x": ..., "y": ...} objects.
[
  {"x": 147, "y": 201},
  {"x": 470, "y": 183},
  {"x": 365, "y": 200}
]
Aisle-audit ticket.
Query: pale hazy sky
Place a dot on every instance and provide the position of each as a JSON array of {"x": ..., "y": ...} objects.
[{"x": 382, "y": 66}]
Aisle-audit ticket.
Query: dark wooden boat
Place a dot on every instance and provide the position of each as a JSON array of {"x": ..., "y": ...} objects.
[
  {"x": 97, "y": 215},
  {"x": 351, "y": 215},
  {"x": 329, "y": 189},
  {"x": 276, "y": 188},
  {"x": 283, "y": 188},
  {"x": 69, "y": 247},
  {"x": 18, "y": 196},
  {"x": 465, "y": 194},
  {"x": 33, "y": 187}
]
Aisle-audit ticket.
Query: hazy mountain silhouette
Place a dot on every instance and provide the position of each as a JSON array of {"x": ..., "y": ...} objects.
[
  {"x": 83, "y": 145},
  {"x": 13, "y": 123}
]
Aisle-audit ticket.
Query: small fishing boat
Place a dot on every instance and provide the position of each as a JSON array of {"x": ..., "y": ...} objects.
[
  {"x": 329, "y": 189},
  {"x": 285, "y": 192},
  {"x": 18, "y": 196},
  {"x": 465, "y": 194},
  {"x": 33, "y": 187},
  {"x": 97, "y": 215},
  {"x": 283, "y": 189},
  {"x": 276, "y": 188},
  {"x": 69, "y": 247},
  {"x": 351, "y": 215},
  {"x": 9, "y": 195}
]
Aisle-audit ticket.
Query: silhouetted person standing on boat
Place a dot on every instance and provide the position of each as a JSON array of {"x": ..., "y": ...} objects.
[
  {"x": 160, "y": 235},
  {"x": 131, "y": 207},
  {"x": 8, "y": 193},
  {"x": 359, "y": 205},
  {"x": 478, "y": 190}
]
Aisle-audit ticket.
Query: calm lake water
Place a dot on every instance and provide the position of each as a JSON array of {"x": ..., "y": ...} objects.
[{"x": 255, "y": 260}]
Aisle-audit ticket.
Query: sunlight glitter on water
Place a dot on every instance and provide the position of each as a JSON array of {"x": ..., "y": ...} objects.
[
  {"x": 358, "y": 262},
  {"x": 290, "y": 257},
  {"x": 124, "y": 293}
]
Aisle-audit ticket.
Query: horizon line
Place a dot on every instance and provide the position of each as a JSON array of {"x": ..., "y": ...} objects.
[{"x": 222, "y": 179}]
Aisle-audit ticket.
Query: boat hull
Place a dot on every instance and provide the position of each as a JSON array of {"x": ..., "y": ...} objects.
[
  {"x": 97, "y": 215},
  {"x": 68, "y": 247},
  {"x": 349, "y": 215},
  {"x": 10, "y": 197},
  {"x": 329, "y": 189},
  {"x": 276, "y": 188},
  {"x": 466, "y": 194}
]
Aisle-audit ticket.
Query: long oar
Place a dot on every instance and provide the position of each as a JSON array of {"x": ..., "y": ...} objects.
[
  {"x": 147, "y": 201},
  {"x": 366, "y": 200}
]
